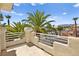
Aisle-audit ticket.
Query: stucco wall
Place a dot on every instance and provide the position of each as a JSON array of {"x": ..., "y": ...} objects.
[
  {"x": 0, "y": 43},
  {"x": 60, "y": 49},
  {"x": 15, "y": 42},
  {"x": 3, "y": 37},
  {"x": 57, "y": 49}
]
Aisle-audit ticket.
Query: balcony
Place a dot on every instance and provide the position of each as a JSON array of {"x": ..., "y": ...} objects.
[
  {"x": 44, "y": 45},
  {"x": 24, "y": 50}
]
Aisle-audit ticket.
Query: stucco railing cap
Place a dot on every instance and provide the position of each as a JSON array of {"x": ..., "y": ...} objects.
[
  {"x": 28, "y": 29},
  {"x": 3, "y": 29}
]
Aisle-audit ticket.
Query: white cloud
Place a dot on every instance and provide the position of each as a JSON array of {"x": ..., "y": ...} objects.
[
  {"x": 64, "y": 13},
  {"x": 12, "y": 12},
  {"x": 54, "y": 17},
  {"x": 20, "y": 14},
  {"x": 51, "y": 18},
  {"x": 48, "y": 19},
  {"x": 15, "y": 13},
  {"x": 33, "y": 4},
  {"x": 76, "y": 5},
  {"x": 41, "y": 3},
  {"x": 16, "y": 4},
  {"x": 4, "y": 11}
]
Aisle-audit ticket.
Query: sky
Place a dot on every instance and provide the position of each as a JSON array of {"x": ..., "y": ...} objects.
[{"x": 62, "y": 13}]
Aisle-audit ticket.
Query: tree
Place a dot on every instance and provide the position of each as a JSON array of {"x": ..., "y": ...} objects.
[
  {"x": 18, "y": 27},
  {"x": 37, "y": 21},
  {"x": 75, "y": 19},
  {"x": 23, "y": 21},
  {"x": 8, "y": 17},
  {"x": 60, "y": 28},
  {"x": 51, "y": 29},
  {"x": 1, "y": 18}
]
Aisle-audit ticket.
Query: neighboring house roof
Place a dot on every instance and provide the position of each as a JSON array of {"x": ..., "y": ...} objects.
[{"x": 6, "y": 6}]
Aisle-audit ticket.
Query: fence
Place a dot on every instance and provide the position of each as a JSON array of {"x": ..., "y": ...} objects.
[
  {"x": 10, "y": 36},
  {"x": 14, "y": 38},
  {"x": 49, "y": 39}
]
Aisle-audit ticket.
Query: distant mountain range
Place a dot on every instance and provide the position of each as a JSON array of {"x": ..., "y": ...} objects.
[{"x": 66, "y": 25}]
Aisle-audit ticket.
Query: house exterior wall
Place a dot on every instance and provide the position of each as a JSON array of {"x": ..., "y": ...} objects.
[{"x": 6, "y": 6}]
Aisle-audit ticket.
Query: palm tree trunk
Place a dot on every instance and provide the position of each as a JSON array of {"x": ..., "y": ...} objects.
[
  {"x": 75, "y": 29},
  {"x": 8, "y": 22}
]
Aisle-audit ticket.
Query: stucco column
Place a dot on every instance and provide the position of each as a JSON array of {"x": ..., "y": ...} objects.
[
  {"x": 2, "y": 38},
  {"x": 34, "y": 38},
  {"x": 28, "y": 34}
]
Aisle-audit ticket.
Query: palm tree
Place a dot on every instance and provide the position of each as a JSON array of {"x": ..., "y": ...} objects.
[
  {"x": 75, "y": 19},
  {"x": 1, "y": 18},
  {"x": 18, "y": 27},
  {"x": 51, "y": 29},
  {"x": 60, "y": 28},
  {"x": 8, "y": 17},
  {"x": 37, "y": 21}
]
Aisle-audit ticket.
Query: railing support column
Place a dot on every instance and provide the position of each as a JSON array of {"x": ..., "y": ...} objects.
[
  {"x": 2, "y": 39},
  {"x": 28, "y": 34}
]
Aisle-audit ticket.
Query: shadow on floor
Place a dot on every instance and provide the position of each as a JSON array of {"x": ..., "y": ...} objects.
[
  {"x": 10, "y": 53},
  {"x": 30, "y": 44},
  {"x": 15, "y": 46}
]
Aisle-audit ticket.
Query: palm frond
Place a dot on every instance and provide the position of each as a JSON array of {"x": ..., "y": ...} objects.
[{"x": 37, "y": 21}]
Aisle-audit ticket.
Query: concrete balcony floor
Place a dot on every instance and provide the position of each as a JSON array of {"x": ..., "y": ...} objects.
[{"x": 24, "y": 50}]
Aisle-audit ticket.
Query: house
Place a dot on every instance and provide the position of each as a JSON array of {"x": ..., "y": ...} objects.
[
  {"x": 70, "y": 32},
  {"x": 6, "y": 6}
]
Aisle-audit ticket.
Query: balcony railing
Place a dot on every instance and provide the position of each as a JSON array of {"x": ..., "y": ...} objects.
[
  {"x": 10, "y": 36},
  {"x": 49, "y": 39}
]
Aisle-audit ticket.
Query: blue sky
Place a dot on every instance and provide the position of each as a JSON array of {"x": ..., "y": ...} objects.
[{"x": 62, "y": 13}]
